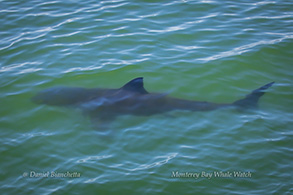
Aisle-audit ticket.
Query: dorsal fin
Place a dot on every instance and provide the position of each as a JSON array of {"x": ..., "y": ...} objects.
[{"x": 135, "y": 85}]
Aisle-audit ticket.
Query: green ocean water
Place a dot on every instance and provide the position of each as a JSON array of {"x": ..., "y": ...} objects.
[{"x": 197, "y": 50}]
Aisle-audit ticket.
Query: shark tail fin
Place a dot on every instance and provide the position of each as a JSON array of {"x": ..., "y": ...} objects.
[{"x": 251, "y": 100}]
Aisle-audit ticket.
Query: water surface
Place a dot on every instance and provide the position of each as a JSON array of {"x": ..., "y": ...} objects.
[{"x": 197, "y": 50}]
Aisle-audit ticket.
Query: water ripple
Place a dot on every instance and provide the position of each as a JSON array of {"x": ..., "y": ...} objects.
[
  {"x": 93, "y": 159},
  {"x": 158, "y": 162},
  {"x": 245, "y": 48}
]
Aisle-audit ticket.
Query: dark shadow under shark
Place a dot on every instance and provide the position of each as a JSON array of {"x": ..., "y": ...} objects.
[{"x": 103, "y": 105}]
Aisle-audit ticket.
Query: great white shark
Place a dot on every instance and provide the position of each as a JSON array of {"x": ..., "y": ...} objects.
[{"x": 104, "y": 105}]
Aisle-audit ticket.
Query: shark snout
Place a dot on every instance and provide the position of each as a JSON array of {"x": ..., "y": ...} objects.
[{"x": 37, "y": 100}]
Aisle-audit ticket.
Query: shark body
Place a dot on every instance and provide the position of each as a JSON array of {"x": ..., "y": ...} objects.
[{"x": 132, "y": 99}]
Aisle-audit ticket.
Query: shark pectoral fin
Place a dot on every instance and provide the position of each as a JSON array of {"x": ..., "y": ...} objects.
[
  {"x": 170, "y": 115},
  {"x": 101, "y": 124},
  {"x": 135, "y": 85}
]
